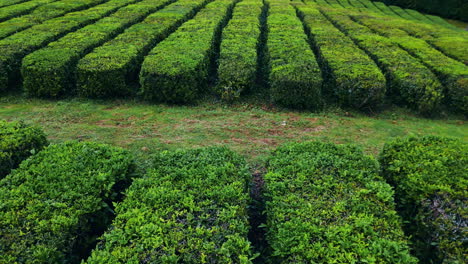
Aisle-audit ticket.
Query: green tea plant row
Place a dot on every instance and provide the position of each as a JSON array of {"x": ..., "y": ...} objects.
[
  {"x": 44, "y": 13},
  {"x": 429, "y": 175},
  {"x": 56, "y": 201},
  {"x": 111, "y": 69},
  {"x": 11, "y": 2},
  {"x": 238, "y": 53},
  {"x": 370, "y": 6},
  {"x": 326, "y": 203},
  {"x": 457, "y": 9},
  {"x": 18, "y": 141},
  {"x": 50, "y": 72},
  {"x": 294, "y": 76},
  {"x": 22, "y": 8},
  {"x": 177, "y": 69},
  {"x": 419, "y": 90},
  {"x": 15, "y": 47},
  {"x": 191, "y": 207},
  {"x": 354, "y": 78}
]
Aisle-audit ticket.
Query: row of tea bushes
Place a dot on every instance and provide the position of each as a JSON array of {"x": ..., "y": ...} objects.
[
  {"x": 353, "y": 77},
  {"x": 109, "y": 70},
  {"x": 44, "y": 13},
  {"x": 238, "y": 53},
  {"x": 326, "y": 203},
  {"x": 22, "y": 8},
  {"x": 11, "y": 2},
  {"x": 430, "y": 179},
  {"x": 191, "y": 207},
  {"x": 18, "y": 141},
  {"x": 457, "y": 9},
  {"x": 419, "y": 90},
  {"x": 50, "y": 71},
  {"x": 177, "y": 69},
  {"x": 294, "y": 76},
  {"x": 15, "y": 47},
  {"x": 56, "y": 202}
]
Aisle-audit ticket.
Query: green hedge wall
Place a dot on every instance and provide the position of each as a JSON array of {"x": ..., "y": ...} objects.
[
  {"x": 17, "y": 142},
  {"x": 430, "y": 178},
  {"x": 43, "y": 13},
  {"x": 55, "y": 203},
  {"x": 457, "y": 9},
  {"x": 111, "y": 69},
  {"x": 51, "y": 71},
  {"x": 326, "y": 203},
  {"x": 295, "y": 78},
  {"x": 15, "y": 47},
  {"x": 177, "y": 69},
  {"x": 191, "y": 207},
  {"x": 22, "y": 8},
  {"x": 238, "y": 55},
  {"x": 353, "y": 78}
]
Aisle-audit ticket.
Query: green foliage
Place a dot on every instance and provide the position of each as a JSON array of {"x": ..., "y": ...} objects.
[
  {"x": 457, "y": 9},
  {"x": 54, "y": 204},
  {"x": 43, "y": 13},
  {"x": 50, "y": 72},
  {"x": 431, "y": 190},
  {"x": 295, "y": 77},
  {"x": 326, "y": 203},
  {"x": 189, "y": 208},
  {"x": 22, "y": 8},
  {"x": 177, "y": 68},
  {"x": 11, "y": 2},
  {"x": 110, "y": 69},
  {"x": 352, "y": 77},
  {"x": 238, "y": 56},
  {"x": 17, "y": 142},
  {"x": 14, "y": 48}
]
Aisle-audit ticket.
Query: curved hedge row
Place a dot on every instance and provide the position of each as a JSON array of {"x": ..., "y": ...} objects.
[
  {"x": 352, "y": 77},
  {"x": 238, "y": 54},
  {"x": 326, "y": 203},
  {"x": 110, "y": 69},
  {"x": 57, "y": 201},
  {"x": 17, "y": 142},
  {"x": 50, "y": 72},
  {"x": 44, "y": 13},
  {"x": 177, "y": 69},
  {"x": 295, "y": 77},
  {"x": 370, "y": 6},
  {"x": 22, "y": 8},
  {"x": 15, "y": 47},
  {"x": 419, "y": 90},
  {"x": 457, "y": 9},
  {"x": 430, "y": 178},
  {"x": 191, "y": 207}
]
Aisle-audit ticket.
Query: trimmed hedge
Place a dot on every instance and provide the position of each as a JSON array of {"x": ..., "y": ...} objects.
[
  {"x": 43, "y": 13},
  {"x": 15, "y": 47},
  {"x": 401, "y": 12},
  {"x": 419, "y": 17},
  {"x": 453, "y": 74},
  {"x": 50, "y": 72},
  {"x": 20, "y": 9},
  {"x": 17, "y": 142},
  {"x": 238, "y": 55},
  {"x": 191, "y": 207},
  {"x": 430, "y": 181},
  {"x": 409, "y": 81},
  {"x": 11, "y": 2},
  {"x": 111, "y": 69},
  {"x": 353, "y": 79},
  {"x": 370, "y": 6},
  {"x": 385, "y": 9},
  {"x": 457, "y": 9},
  {"x": 295, "y": 78},
  {"x": 326, "y": 203},
  {"x": 177, "y": 69},
  {"x": 56, "y": 202}
]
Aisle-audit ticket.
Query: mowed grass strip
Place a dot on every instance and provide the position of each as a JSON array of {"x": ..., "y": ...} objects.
[
  {"x": 237, "y": 70},
  {"x": 409, "y": 81},
  {"x": 352, "y": 77},
  {"x": 57, "y": 201},
  {"x": 50, "y": 72},
  {"x": 15, "y": 47},
  {"x": 111, "y": 69},
  {"x": 453, "y": 74},
  {"x": 8, "y": 12},
  {"x": 326, "y": 203},
  {"x": 191, "y": 207},
  {"x": 294, "y": 76},
  {"x": 43, "y": 13},
  {"x": 177, "y": 69}
]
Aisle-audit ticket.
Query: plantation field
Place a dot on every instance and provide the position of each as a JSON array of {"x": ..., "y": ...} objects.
[{"x": 301, "y": 54}]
